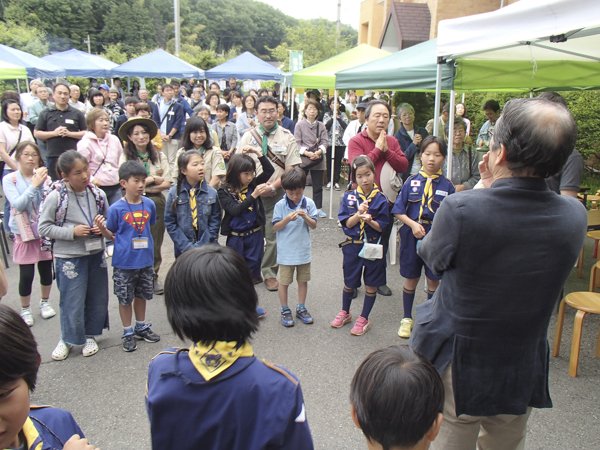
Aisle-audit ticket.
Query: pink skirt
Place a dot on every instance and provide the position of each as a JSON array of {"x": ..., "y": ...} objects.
[{"x": 28, "y": 252}]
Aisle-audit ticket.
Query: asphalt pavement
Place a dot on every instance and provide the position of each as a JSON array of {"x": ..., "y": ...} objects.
[{"x": 105, "y": 392}]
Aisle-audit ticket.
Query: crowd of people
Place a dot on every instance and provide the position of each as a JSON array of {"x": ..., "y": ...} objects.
[{"x": 88, "y": 181}]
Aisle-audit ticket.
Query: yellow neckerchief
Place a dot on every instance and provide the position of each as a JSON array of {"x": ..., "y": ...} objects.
[
  {"x": 32, "y": 436},
  {"x": 193, "y": 207},
  {"x": 210, "y": 361},
  {"x": 428, "y": 191},
  {"x": 242, "y": 196},
  {"x": 368, "y": 199}
]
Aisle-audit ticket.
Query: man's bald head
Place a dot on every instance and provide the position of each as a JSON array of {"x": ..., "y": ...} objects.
[{"x": 539, "y": 135}]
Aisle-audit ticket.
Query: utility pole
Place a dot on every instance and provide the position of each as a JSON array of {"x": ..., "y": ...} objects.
[
  {"x": 88, "y": 43},
  {"x": 176, "y": 13},
  {"x": 337, "y": 32}
]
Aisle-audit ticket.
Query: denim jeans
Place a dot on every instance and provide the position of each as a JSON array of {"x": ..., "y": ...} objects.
[
  {"x": 83, "y": 286},
  {"x": 6, "y": 203}
]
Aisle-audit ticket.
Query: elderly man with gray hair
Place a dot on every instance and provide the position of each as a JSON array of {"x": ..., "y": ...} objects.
[
  {"x": 465, "y": 164},
  {"x": 505, "y": 253}
]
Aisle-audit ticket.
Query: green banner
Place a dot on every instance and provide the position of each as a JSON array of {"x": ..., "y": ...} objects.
[{"x": 296, "y": 60}]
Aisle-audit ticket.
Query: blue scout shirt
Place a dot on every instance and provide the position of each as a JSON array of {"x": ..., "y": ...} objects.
[
  {"x": 378, "y": 208},
  {"x": 49, "y": 428},
  {"x": 410, "y": 198},
  {"x": 293, "y": 241},
  {"x": 129, "y": 222},
  {"x": 247, "y": 220},
  {"x": 251, "y": 405}
]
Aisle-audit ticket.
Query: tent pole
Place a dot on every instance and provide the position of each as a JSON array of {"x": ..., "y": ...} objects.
[
  {"x": 293, "y": 103},
  {"x": 438, "y": 91},
  {"x": 451, "y": 135},
  {"x": 332, "y": 156},
  {"x": 18, "y": 87},
  {"x": 531, "y": 93},
  {"x": 463, "y": 98}
]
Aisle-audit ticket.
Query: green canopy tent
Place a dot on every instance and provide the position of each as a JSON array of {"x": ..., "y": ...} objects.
[
  {"x": 322, "y": 76},
  {"x": 10, "y": 71},
  {"x": 413, "y": 69}
]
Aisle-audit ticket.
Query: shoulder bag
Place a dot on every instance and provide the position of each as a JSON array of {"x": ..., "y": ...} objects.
[{"x": 308, "y": 163}]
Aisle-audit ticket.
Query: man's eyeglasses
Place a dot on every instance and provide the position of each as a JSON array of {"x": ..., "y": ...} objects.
[{"x": 267, "y": 111}]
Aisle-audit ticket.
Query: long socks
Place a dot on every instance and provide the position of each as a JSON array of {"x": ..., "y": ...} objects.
[
  {"x": 347, "y": 299},
  {"x": 430, "y": 294},
  {"x": 368, "y": 305},
  {"x": 408, "y": 298}
]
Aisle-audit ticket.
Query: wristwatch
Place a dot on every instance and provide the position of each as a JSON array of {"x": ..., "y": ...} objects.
[{"x": 273, "y": 188}]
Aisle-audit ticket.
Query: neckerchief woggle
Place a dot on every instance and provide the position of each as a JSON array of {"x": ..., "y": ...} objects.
[
  {"x": 428, "y": 191},
  {"x": 265, "y": 138},
  {"x": 212, "y": 360},
  {"x": 241, "y": 196},
  {"x": 368, "y": 199}
]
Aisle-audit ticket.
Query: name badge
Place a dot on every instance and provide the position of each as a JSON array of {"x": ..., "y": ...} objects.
[
  {"x": 415, "y": 182},
  {"x": 442, "y": 193},
  {"x": 106, "y": 167},
  {"x": 70, "y": 121},
  {"x": 93, "y": 244},
  {"x": 139, "y": 243},
  {"x": 278, "y": 148},
  {"x": 171, "y": 113}
]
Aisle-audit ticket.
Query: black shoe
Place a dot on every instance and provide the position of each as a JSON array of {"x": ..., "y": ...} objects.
[
  {"x": 129, "y": 344},
  {"x": 286, "y": 318},
  {"x": 384, "y": 290},
  {"x": 146, "y": 334},
  {"x": 304, "y": 316},
  {"x": 355, "y": 294}
]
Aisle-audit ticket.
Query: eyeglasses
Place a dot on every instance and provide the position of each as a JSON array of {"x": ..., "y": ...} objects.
[
  {"x": 267, "y": 111},
  {"x": 29, "y": 155},
  {"x": 459, "y": 131}
]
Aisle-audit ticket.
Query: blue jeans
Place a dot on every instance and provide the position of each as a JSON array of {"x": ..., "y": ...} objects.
[
  {"x": 6, "y": 203},
  {"x": 83, "y": 286}
]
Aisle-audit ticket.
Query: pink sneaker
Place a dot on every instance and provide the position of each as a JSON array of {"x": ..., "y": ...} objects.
[
  {"x": 360, "y": 327},
  {"x": 341, "y": 319}
]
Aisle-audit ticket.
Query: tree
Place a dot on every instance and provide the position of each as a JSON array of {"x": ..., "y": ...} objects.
[
  {"x": 114, "y": 53},
  {"x": 316, "y": 38},
  {"x": 27, "y": 39}
]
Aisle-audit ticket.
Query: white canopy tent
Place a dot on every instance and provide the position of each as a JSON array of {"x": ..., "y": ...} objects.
[{"x": 531, "y": 44}]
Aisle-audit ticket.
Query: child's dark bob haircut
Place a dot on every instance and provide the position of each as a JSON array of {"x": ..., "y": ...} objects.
[
  {"x": 361, "y": 161},
  {"x": 238, "y": 164},
  {"x": 293, "y": 178},
  {"x": 434, "y": 140},
  {"x": 224, "y": 107},
  {"x": 397, "y": 395},
  {"x": 132, "y": 169},
  {"x": 67, "y": 161},
  {"x": 18, "y": 350},
  {"x": 210, "y": 296}
]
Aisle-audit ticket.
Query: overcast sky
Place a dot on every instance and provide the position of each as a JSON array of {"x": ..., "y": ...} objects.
[{"x": 313, "y": 9}]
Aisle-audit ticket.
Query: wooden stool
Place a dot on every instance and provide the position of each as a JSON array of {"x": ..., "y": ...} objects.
[
  {"x": 584, "y": 302},
  {"x": 591, "y": 234}
]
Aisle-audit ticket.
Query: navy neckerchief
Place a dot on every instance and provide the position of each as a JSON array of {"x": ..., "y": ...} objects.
[{"x": 293, "y": 206}]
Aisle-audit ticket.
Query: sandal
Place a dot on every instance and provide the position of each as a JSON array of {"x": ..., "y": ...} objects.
[
  {"x": 90, "y": 348},
  {"x": 61, "y": 351}
]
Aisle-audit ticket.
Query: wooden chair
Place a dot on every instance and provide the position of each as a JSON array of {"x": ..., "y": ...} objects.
[
  {"x": 585, "y": 303},
  {"x": 593, "y": 232}
]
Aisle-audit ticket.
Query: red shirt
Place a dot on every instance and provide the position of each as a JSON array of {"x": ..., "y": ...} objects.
[{"x": 362, "y": 144}]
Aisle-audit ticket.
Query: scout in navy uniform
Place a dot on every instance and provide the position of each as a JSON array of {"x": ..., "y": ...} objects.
[
  {"x": 364, "y": 214},
  {"x": 25, "y": 426},
  {"x": 217, "y": 394},
  {"x": 244, "y": 211},
  {"x": 415, "y": 207}
]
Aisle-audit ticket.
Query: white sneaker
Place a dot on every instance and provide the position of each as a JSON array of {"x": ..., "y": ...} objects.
[
  {"x": 27, "y": 317},
  {"x": 328, "y": 186},
  {"x": 46, "y": 310},
  {"x": 61, "y": 351},
  {"x": 90, "y": 348}
]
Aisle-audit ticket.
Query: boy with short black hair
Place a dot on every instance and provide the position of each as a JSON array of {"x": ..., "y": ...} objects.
[
  {"x": 23, "y": 425},
  {"x": 293, "y": 242},
  {"x": 128, "y": 223},
  {"x": 412, "y": 420},
  {"x": 130, "y": 103}
]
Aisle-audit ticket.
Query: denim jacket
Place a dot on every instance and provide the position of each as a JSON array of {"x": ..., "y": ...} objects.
[{"x": 179, "y": 224}]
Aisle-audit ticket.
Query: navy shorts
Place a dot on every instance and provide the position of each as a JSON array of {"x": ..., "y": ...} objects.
[
  {"x": 131, "y": 283},
  {"x": 412, "y": 264},
  {"x": 251, "y": 247},
  {"x": 356, "y": 268}
]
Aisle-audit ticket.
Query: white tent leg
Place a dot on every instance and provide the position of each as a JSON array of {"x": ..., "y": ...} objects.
[
  {"x": 18, "y": 87},
  {"x": 293, "y": 105},
  {"x": 438, "y": 92},
  {"x": 332, "y": 156},
  {"x": 450, "y": 156}
]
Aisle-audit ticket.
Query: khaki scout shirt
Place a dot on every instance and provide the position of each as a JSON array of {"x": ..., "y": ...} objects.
[
  {"x": 214, "y": 164},
  {"x": 282, "y": 144},
  {"x": 160, "y": 169}
]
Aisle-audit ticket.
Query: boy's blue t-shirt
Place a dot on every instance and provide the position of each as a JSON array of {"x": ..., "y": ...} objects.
[
  {"x": 128, "y": 222},
  {"x": 293, "y": 241}
]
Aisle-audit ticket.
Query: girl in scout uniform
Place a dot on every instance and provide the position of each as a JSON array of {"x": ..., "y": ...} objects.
[
  {"x": 137, "y": 134},
  {"x": 197, "y": 136},
  {"x": 415, "y": 207},
  {"x": 364, "y": 214}
]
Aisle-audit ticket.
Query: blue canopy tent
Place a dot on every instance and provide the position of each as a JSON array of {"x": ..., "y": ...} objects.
[
  {"x": 35, "y": 67},
  {"x": 245, "y": 67},
  {"x": 81, "y": 64},
  {"x": 157, "y": 64}
]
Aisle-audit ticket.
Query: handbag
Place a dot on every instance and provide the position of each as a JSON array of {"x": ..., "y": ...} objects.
[
  {"x": 371, "y": 251},
  {"x": 308, "y": 163}
]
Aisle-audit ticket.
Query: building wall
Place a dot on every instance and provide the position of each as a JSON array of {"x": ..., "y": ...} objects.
[{"x": 372, "y": 19}]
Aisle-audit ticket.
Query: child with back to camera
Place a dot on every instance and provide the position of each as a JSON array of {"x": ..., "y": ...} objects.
[
  {"x": 218, "y": 391},
  {"x": 415, "y": 207},
  {"x": 293, "y": 218},
  {"x": 22, "y": 425},
  {"x": 413, "y": 419},
  {"x": 364, "y": 214}
]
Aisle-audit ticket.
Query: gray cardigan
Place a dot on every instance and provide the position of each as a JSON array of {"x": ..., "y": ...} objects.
[
  {"x": 505, "y": 254},
  {"x": 231, "y": 134}
]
